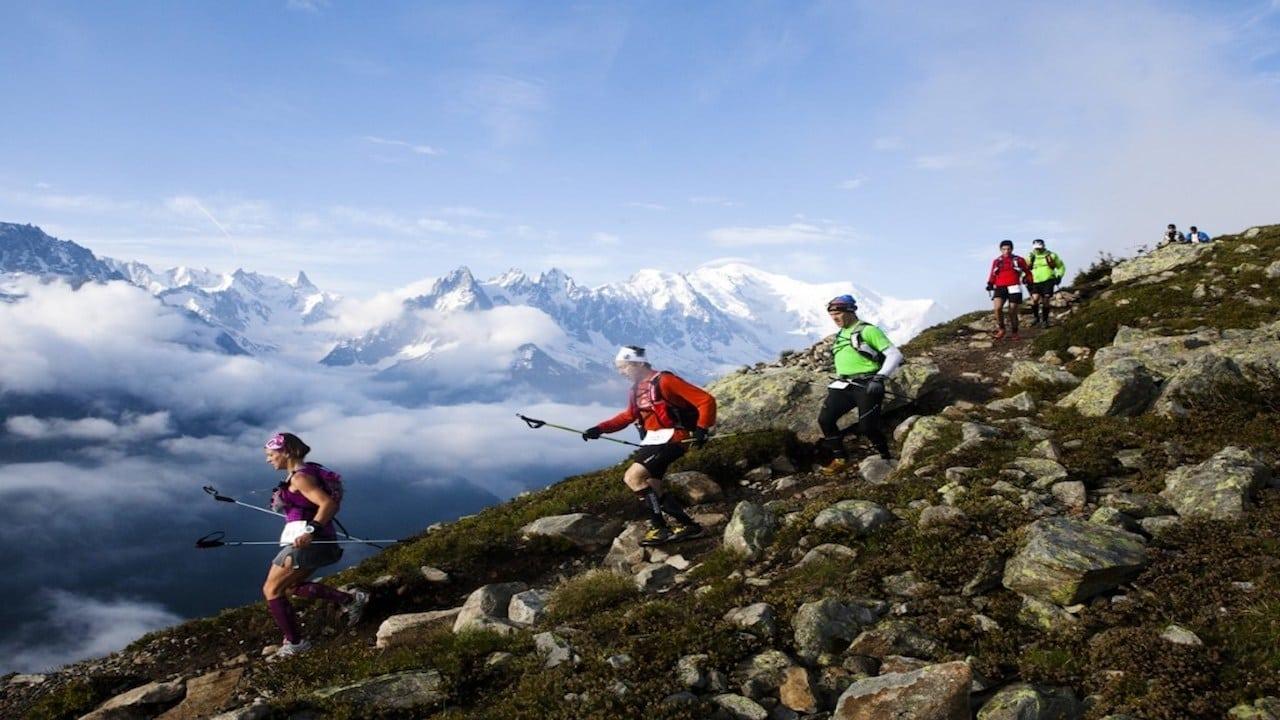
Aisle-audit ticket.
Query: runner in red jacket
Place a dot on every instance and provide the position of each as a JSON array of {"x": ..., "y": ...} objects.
[
  {"x": 668, "y": 411},
  {"x": 1008, "y": 273}
]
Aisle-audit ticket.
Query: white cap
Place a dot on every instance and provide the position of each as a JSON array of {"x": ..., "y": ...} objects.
[{"x": 630, "y": 353}]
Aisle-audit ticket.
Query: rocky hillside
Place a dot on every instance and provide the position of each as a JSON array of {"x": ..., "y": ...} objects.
[{"x": 1084, "y": 524}]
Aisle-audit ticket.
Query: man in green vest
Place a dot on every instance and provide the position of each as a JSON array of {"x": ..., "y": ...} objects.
[
  {"x": 864, "y": 359},
  {"x": 1047, "y": 270}
]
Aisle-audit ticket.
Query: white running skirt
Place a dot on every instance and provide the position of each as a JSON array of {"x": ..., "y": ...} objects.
[{"x": 292, "y": 530}]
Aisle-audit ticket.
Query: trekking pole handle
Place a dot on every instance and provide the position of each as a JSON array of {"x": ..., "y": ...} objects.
[
  {"x": 216, "y": 495},
  {"x": 531, "y": 422}
]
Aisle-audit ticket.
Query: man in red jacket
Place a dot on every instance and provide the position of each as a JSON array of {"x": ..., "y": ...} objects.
[
  {"x": 1008, "y": 273},
  {"x": 667, "y": 411}
]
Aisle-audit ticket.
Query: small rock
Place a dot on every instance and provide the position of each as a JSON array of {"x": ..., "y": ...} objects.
[
  {"x": 858, "y": 516},
  {"x": 759, "y": 619},
  {"x": 528, "y": 607},
  {"x": 488, "y": 602},
  {"x": 694, "y": 488},
  {"x": 826, "y": 626},
  {"x": 941, "y": 516},
  {"x": 1179, "y": 635},
  {"x": 876, "y": 469},
  {"x": 741, "y": 708},
  {"x": 1070, "y": 495},
  {"x": 936, "y": 692},
  {"x": 827, "y": 551},
  {"x": 555, "y": 650},
  {"x": 434, "y": 575},
  {"x": 751, "y": 530},
  {"x": 396, "y": 691},
  {"x": 654, "y": 577}
]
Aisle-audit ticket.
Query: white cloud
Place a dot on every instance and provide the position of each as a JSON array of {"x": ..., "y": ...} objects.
[
  {"x": 888, "y": 144},
  {"x": 132, "y": 427},
  {"x": 606, "y": 239},
  {"x": 414, "y": 148},
  {"x": 797, "y": 233},
  {"x": 852, "y": 183},
  {"x": 307, "y": 5},
  {"x": 657, "y": 207},
  {"x": 87, "y": 627},
  {"x": 510, "y": 107},
  {"x": 969, "y": 157}
]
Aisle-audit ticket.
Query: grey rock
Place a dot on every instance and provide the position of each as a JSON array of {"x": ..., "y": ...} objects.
[
  {"x": 396, "y": 691},
  {"x": 1179, "y": 635},
  {"x": 487, "y": 601},
  {"x": 1124, "y": 388},
  {"x": 1040, "y": 375},
  {"x": 1023, "y": 402},
  {"x": 826, "y": 626},
  {"x": 409, "y": 628},
  {"x": 1070, "y": 495},
  {"x": 1204, "y": 381},
  {"x": 1161, "y": 259},
  {"x": 936, "y": 692},
  {"x": 858, "y": 516},
  {"x": 827, "y": 551},
  {"x": 751, "y": 530},
  {"x": 1021, "y": 701},
  {"x": 896, "y": 637},
  {"x": 554, "y": 650},
  {"x": 692, "y": 671},
  {"x": 925, "y": 435},
  {"x": 528, "y": 607},
  {"x": 876, "y": 469},
  {"x": 1044, "y": 616},
  {"x": 1155, "y": 526},
  {"x": 1138, "y": 505},
  {"x": 693, "y": 487},
  {"x": 1045, "y": 472},
  {"x": 580, "y": 529},
  {"x": 741, "y": 708},
  {"x": 1220, "y": 488},
  {"x": 140, "y": 701},
  {"x": 626, "y": 552},
  {"x": 653, "y": 577},
  {"x": 1112, "y": 517},
  {"x": 762, "y": 674},
  {"x": 1067, "y": 561},
  {"x": 256, "y": 710},
  {"x": 909, "y": 585},
  {"x": 759, "y": 619},
  {"x": 941, "y": 516}
]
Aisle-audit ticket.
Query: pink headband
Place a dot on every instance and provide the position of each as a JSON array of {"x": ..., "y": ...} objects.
[{"x": 275, "y": 443}]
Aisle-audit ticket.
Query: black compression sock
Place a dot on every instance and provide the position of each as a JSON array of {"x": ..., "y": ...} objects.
[
  {"x": 673, "y": 507},
  {"x": 649, "y": 499}
]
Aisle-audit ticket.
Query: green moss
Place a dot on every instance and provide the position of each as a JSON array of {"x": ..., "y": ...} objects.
[{"x": 589, "y": 592}]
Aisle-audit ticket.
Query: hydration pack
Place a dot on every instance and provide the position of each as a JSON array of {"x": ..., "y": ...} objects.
[
  {"x": 669, "y": 414},
  {"x": 329, "y": 480},
  {"x": 861, "y": 346}
]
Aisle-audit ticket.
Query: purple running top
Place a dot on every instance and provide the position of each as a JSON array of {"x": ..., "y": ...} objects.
[{"x": 296, "y": 506}]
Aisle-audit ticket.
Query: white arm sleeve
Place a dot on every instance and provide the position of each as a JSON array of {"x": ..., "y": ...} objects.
[{"x": 892, "y": 361}]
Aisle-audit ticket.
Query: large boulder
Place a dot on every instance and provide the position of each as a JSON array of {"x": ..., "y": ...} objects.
[
  {"x": 858, "y": 516},
  {"x": 1205, "y": 381},
  {"x": 1124, "y": 388},
  {"x": 693, "y": 487},
  {"x": 934, "y": 692},
  {"x": 1066, "y": 561},
  {"x": 750, "y": 530},
  {"x": 1170, "y": 256},
  {"x": 486, "y": 607},
  {"x": 1021, "y": 701},
  {"x": 584, "y": 531},
  {"x": 826, "y": 626},
  {"x": 528, "y": 607},
  {"x": 789, "y": 397},
  {"x": 206, "y": 695},
  {"x": 1221, "y": 488},
  {"x": 1040, "y": 375},
  {"x": 409, "y": 628},
  {"x": 924, "y": 435},
  {"x": 396, "y": 691},
  {"x": 142, "y": 701},
  {"x": 759, "y": 619}
]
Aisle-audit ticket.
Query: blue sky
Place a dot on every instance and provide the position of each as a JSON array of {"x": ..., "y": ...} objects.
[{"x": 373, "y": 144}]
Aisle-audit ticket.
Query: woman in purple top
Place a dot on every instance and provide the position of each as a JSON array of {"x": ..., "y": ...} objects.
[{"x": 309, "y": 511}]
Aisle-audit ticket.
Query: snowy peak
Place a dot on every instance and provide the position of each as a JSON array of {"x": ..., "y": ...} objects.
[
  {"x": 454, "y": 292},
  {"x": 27, "y": 249}
]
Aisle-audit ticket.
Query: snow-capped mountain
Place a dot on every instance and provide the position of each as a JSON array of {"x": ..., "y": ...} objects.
[
  {"x": 266, "y": 313},
  {"x": 702, "y": 323},
  {"x": 27, "y": 249}
]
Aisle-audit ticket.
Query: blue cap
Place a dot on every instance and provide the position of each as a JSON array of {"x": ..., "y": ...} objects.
[{"x": 842, "y": 302}]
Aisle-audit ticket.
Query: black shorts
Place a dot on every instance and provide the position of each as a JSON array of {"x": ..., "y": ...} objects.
[
  {"x": 657, "y": 458},
  {"x": 1004, "y": 294},
  {"x": 1043, "y": 288}
]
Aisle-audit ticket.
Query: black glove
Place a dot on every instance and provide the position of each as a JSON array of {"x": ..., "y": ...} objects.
[
  {"x": 699, "y": 437},
  {"x": 592, "y": 433},
  {"x": 990, "y": 287},
  {"x": 875, "y": 386}
]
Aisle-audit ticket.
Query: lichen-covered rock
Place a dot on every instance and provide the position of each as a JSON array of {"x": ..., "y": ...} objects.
[
  {"x": 1070, "y": 495},
  {"x": 693, "y": 487},
  {"x": 1221, "y": 488},
  {"x": 396, "y": 691},
  {"x": 896, "y": 637},
  {"x": 827, "y": 551},
  {"x": 1067, "y": 561},
  {"x": 759, "y": 619},
  {"x": 1205, "y": 381},
  {"x": 1124, "y": 388},
  {"x": 409, "y": 628},
  {"x": 1023, "y": 402},
  {"x": 1044, "y": 616},
  {"x": 1039, "y": 375},
  {"x": 750, "y": 530},
  {"x": 936, "y": 692},
  {"x": 1174, "y": 255},
  {"x": 826, "y": 626},
  {"x": 741, "y": 708},
  {"x": 1045, "y": 472},
  {"x": 692, "y": 671},
  {"x": 876, "y": 469},
  {"x": 1021, "y": 701},
  {"x": 487, "y": 602},
  {"x": 762, "y": 674},
  {"x": 924, "y": 436},
  {"x": 936, "y": 517},
  {"x": 858, "y": 516},
  {"x": 141, "y": 701},
  {"x": 1267, "y": 708},
  {"x": 580, "y": 529}
]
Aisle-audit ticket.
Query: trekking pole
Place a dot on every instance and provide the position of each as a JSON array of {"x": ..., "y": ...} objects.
[
  {"x": 226, "y": 498},
  {"x": 534, "y": 424},
  {"x": 214, "y": 540}
]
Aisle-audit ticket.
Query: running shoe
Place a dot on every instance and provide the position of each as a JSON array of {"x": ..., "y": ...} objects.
[
  {"x": 288, "y": 650},
  {"x": 355, "y": 609},
  {"x": 656, "y": 536},
  {"x": 835, "y": 467},
  {"x": 999, "y": 333},
  {"x": 687, "y": 532}
]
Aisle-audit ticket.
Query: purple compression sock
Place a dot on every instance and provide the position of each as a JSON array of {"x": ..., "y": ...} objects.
[
  {"x": 282, "y": 612},
  {"x": 320, "y": 591}
]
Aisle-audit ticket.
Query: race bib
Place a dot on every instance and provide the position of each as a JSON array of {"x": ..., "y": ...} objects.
[
  {"x": 292, "y": 530},
  {"x": 658, "y": 437},
  {"x": 839, "y": 385}
]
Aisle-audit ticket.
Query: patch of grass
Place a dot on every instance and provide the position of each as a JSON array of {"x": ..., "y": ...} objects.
[
  {"x": 592, "y": 591},
  {"x": 79, "y": 697},
  {"x": 942, "y": 333}
]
